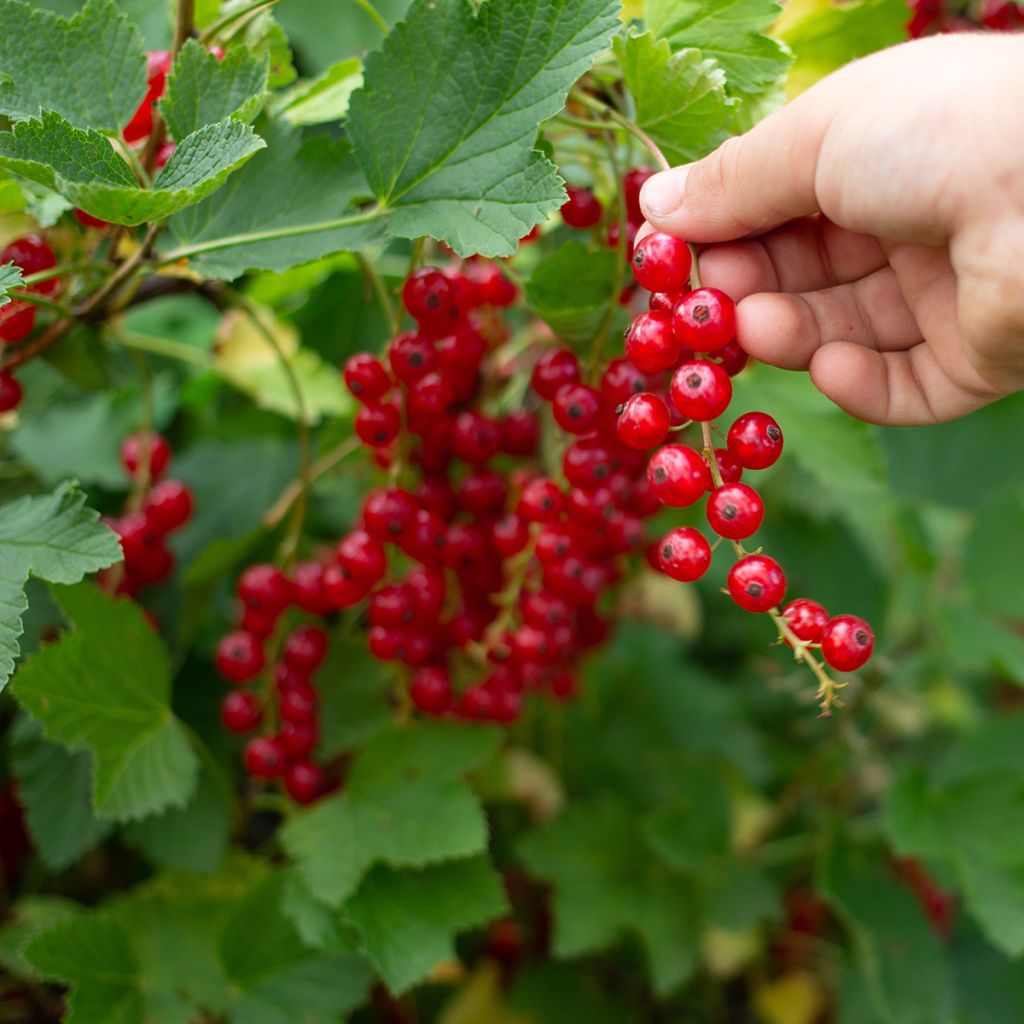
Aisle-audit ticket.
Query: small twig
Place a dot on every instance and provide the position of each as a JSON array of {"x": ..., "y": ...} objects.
[
  {"x": 276, "y": 513},
  {"x": 610, "y": 114},
  {"x": 380, "y": 289},
  {"x": 374, "y": 14}
]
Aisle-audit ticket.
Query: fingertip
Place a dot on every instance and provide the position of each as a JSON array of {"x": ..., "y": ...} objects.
[
  {"x": 855, "y": 378},
  {"x": 777, "y": 329},
  {"x": 661, "y": 195},
  {"x": 737, "y": 268}
]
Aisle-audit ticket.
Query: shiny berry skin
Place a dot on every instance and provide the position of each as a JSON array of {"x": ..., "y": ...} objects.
[
  {"x": 555, "y": 368},
  {"x": 10, "y": 392},
  {"x": 728, "y": 468},
  {"x": 366, "y": 378},
  {"x": 735, "y": 511},
  {"x": 341, "y": 590},
  {"x": 651, "y": 344},
  {"x": 684, "y": 554},
  {"x": 847, "y": 643},
  {"x": 755, "y": 440},
  {"x": 493, "y": 287},
  {"x": 678, "y": 475},
  {"x": 431, "y": 395},
  {"x": 16, "y": 321},
  {"x": 141, "y": 124},
  {"x": 509, "y": 535},
  {"x": 411, "y": 357},
  {"x": 309, "y": 589},
  {"x": 304, "y": 781},
  {"x": 298, "y": 701},
  {"x": 239, "y": 657},
  {"x": 299, "y": 738},
  {"x": 265, "y": 589},
  {"x": 661, "y": 262},
  {"x": 701, "y": 390},
  {"x": 705, "y": 320},
  {"x": 378, "y": 425},
  {"x": 631, "y": 185},
  {"x": 388, "y": 512},
  {"x": 363, "y": 556},
  {"x": 757, "y": 583},
  {"x": 34, "y": 256},
  {"x": 577, "y": 408},
  {"x": 241, "y": 711},
  {"x": 430, "y": 299},
  {"x": 519, "y": 433},
  {"x": 582, "y": 209},
  {"x": 168, "y": 506},
  {"x": 643, "y": 421},
  {"x": 587, "y": 463},
  {"x": 807, "y": 619},
  {"x": 431, "y": 690},
  {"x": 732, "y": 358},
  {"x": 541, "y": 501},
  {"x": 474, "y": 438},
  {"x": 264, "y": 757},
  {"x": 426, "y": 537},
  {"x": 482, "y": 493},
  {"x": 87, "y": 220},
  {"x": 305, "y": 649},
  {"x": 136, "y": 447},
  {"x": 620, "y": 381}
]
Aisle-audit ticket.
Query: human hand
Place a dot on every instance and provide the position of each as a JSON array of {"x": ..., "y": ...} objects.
[{"x": 872, "y": 231}]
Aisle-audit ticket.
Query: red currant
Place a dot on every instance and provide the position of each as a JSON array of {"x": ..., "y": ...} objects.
[
  {"x": 701, "y": 390},
  {"x": 299, "y": 738},
  {"x": 430, "y": 299},
  {"x": 411, "y": 357},
  {"x": 431, "y": 690},
  {"x": 168, "y": 506},
  {"x": 378, "y": 425},
  {"x": 684, "y": 554},
  {"x": 735, "y": 511},
  {"x": 582, "y": 208},
  {"x": 651, "y": 345},
  {"x": 304, "y": 782},
  {"x": 555, "y": 368},
  {"x": 366, "y": 378},
  {"x": 757, "y": 583},
  {"x": 309, "y": 589},
  {"x": 509, "y": 535},
  {"x": 388, "y": 512},
  {"x": 10, "y": 392},
  {"x": 755, "y": 440},
  {"x": 643, "y": 422},
  {"x": 241, "y": 711},
  {"x": 34, "y": 256},
  {"x": 576, "y": 408},
  {"x": 847, "y": 642},
  {"x": 732, "y": 358},
  {"x": 541, "y": 501},
  {"x": 705, "y": 320},
  {"x": 137, "y": 447},
  {"x": 661, "y": 262},
  {"x": 264, "y": 757},
  {"x": 265, "y": 589},
  {"x": 475, "y": 439},
  {"x": 519, "y": 433},
  {"x": 305, "y": 649},
  {"x": 678, "y": 475},
  {"x": 728, "y": 468},
  {"x": 363, "y": 556},
  {"x": 631, "y": 185},
  {"x": 620, "y": 381},
  {"x": 239, "y": 657},
  {"x": 807, "y": 619},
  {"x": 16, "y": 321}
]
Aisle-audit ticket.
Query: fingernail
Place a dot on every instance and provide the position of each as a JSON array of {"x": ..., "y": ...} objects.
[{"x": 663, "y": 193}]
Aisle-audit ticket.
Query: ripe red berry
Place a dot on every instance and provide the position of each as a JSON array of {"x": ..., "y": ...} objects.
[
  {"x": 728, "y": 468},
  {"x": 631, "y": 185},
  {"x": 378, "y": 425},
  {"x": 701, "y": 390},
  {"x": 732, "y": 358},
  {"x": 304, "y": 781},
  {"x": 482, "y": 493},
  {"x": 620, "y": 381},
  {"x": 474, "y": 438},
  {"x": 807, "y": 619},
  {"x": 519, "y": 433},
  {"x": 757, "y": 583},
  {"x": 705, "y": 320},
  {"x": 366, "y": 378},
  {"x": 582, "y": 209},
  {"x": 363, "y": 556},
  {"x": 136, "y": 448},
  {"x": 309, "y": 588},
  {"x": 509, "y": 535},
  {"x": 678, "y": 475},
  {"x": 87, "y": 220},
  {"x": 168, "y": 506},
  {"x": 661, "y": 262},
  {"x": 264, "y": 757},
  {"x": 643, "y": 422},
  {"x": 577, "y": 408},
  {"x": 388, "y": 512},
  {"x": 735, "y": 511},
  {"x": 651, "y": 344},
  {"x": 299, "y": 738},
  {"x": 141, "y": 124},
  {"x": 241, "y": 711},
  {"x": 239, "y": 657},
  {"x": 431, "y": 690},
  {"x": 555, "y": 368},
  {"x": 299, "y": 699},
  {"x": 16, "y": 321},
  {"x": 10, "y": 392},
  {"x": 541, "y": 501},
  {"x": 755, "y": 440},
  {"x": 847, "y": 642},
  {"x": 33, "y": 255},
  {"x": 305, "y": 649},
  {"x": 684, "y": 554},
  {"x": 411, "y": 356},
  {"x": 265, "y": 589},
  {"x": 431, "y": 395},
  {"x": 430, "y": 299}
]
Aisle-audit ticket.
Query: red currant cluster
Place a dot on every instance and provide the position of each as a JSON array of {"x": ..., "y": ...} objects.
[
  {"x": 931, "y": 16},
  {"x": 583, "y": 210},
  {"x": 18, "y": 317},
  {"x": 157, "y": 508},
  {"x": 691, "y": 333}
]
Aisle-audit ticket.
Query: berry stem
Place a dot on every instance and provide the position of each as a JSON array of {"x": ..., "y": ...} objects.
[
  {"x": 35, "y": 299},
  {"x": 291, "y": 493},
  {"x": 380, "y": 289},
  {"x": 608, "y": 113},
  {"x": 372, "y": 11},
  {"x": 160, "y": 347}
]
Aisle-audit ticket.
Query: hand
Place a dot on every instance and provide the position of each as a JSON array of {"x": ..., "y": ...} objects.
[{"x": 873, "y": 229}]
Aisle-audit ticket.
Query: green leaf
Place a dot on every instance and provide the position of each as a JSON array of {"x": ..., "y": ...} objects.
[
  {"x": 995, "y": 542},
  {"x": 326, "y": 97},
  {"x": 10, "y": 277},
  {"x": 55, "y": 788},
  {"x": 404, "y": 805},
  {"x": 105, "y": 688},
  {"x": 824, "y": 35},
  {"x": 606, "y": 884},
  {"x": 90, "y": 68},
  {"x": 202, "y": 90},
  {"x": 446, "y": 122},
  {"x": 29, "y": 917},
  {"x": 573, "y": 289},
  {"x": 904, "y": 966},
  {"x": 407, "y": 920},
  {"x": 290, "y": 205},
  {"x": 730, "y": 32},
  {"x": 82, "y": 166},
  {"x": 53, "y": 537},
  {"x": 680, "y": 97}
]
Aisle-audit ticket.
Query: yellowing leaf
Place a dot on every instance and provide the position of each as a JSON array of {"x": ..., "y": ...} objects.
[
  {"x": 795, "y": 998},
  {"x": 479, "y": 1001}
]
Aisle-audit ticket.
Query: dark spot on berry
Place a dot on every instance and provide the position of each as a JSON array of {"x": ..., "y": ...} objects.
[
  {"x": 730, "y": 512},
  {"x": 701, "y": 314},
  {"x": 619, "y": 408},
  {"x": 600, "y": 472},
  {"x": 666, "y": 552},
  {"x": 416, "y": 359},
  {"x": 638, "y": 258},
  {"x": 660, "y": 475},
  {"x": 774, "y": 433},
  {"x": 395, "y": 527},
  {"x": 433, "y": 300},
  {"x": 693, "y": 381},
  {"x": 547, "y": 503},
  {"x": 755, "y": 589},
  {"x": 356, "y": 388},
  {"x": 861, "y": 637},
  {"x": 575, "y": 411}
]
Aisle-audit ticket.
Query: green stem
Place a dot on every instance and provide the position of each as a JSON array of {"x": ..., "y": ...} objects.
[
  {"x": 58, "y": 271},
  {"x": 374, "y": 14},
  {"x": 610, "y": 114},
  {"x": 276, "y": 513},
  {"x": 35, "y": 299},
  {"x": 161, "y": 347},
  {"x": 381, "y": 291}
]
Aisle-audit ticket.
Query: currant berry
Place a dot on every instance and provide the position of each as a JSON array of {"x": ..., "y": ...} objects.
[
  {"x": 10, "y": 392},
  {"x": 265, "y": 589},
  {"x": 482, "y": 493},
  {"x": 309, "y": 589},
  {"x": 426, "y": 538},
  {"x": 431, "y": 395},
  {"x": 661, "y": 262},
  {"x": 264, "y": 757},
  {"x": 701, "y": 390},
  {"x": 138, "y": 448},
  {"x": 519, "y": 433},
  {"x": 577, "y": 408},
  {"x": 362, "y": 556},
  {"x": 299, "y": 738},
  {"x": 158, "y": 64},
  {"x": 304, "y": 782},
  {"x": 651, "y": 345},
  {"x": 388, "y": 513},
  {"x": 474, "y": 438},
  {"x": 555, "y": 368},
  {"x": 847, "y": 642},
  {"x": 299, "y": 699},
  {"x": 155, "y": 565},
  {"x": 684, "y": 554},
  {"x": 16, "y": 321},
  {"x": 755, "y": 440},
  {"x": 430, "y": 299},
  {"x": 728, "y": 468},
  {"x": 366, "y": 378},
  {"x": 431, "y": 690},
  {"x": 541, "y": 501},
  {"x": 257, "y": 623},
  {"x": 241, "y": 711},
  {"x": 582, "y": 209},
  {"x": 643, "y": 421},
  {"x": 168, "y": 506},
  {"x": 239, "y": 657},
  {"x": 587, "y": 463},
  {"x": 477, "y": 704},
  {"x": 735, "y": 511},
  {"x": 33, "y": 255},
  {"x": 509, "y": 535},
  {"x": 705, "y": 320},
  {"x": 378, "y": 425},
  {"x": 757, "y": 583},
  {"x": 678, "y": 475},
  {"x": 87, "y": 220},
  {"x": 732, "y": 358},
  {"x": 631, "y": 185},
  {"x": 411, "y": 357},
  {"x": 305, "y": 649},
  {"x": 621, "y": 381},
  {"x": 807, "y": 619}
]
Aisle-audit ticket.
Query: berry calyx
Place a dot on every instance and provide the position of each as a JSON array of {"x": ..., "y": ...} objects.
[
  {"x": 684, "y": 554},
  {"x": 755, "y": 440},
  {"x": 847, "y": 642},
  {"x": 701, "y": 390},
  {"x": 429, "y": 297},
  {"x": 661, "y": 262},
  {"x": 757, "y": 583},
  {"x": 735, "y": 511},
  {"x": 705, "y": 320}
]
